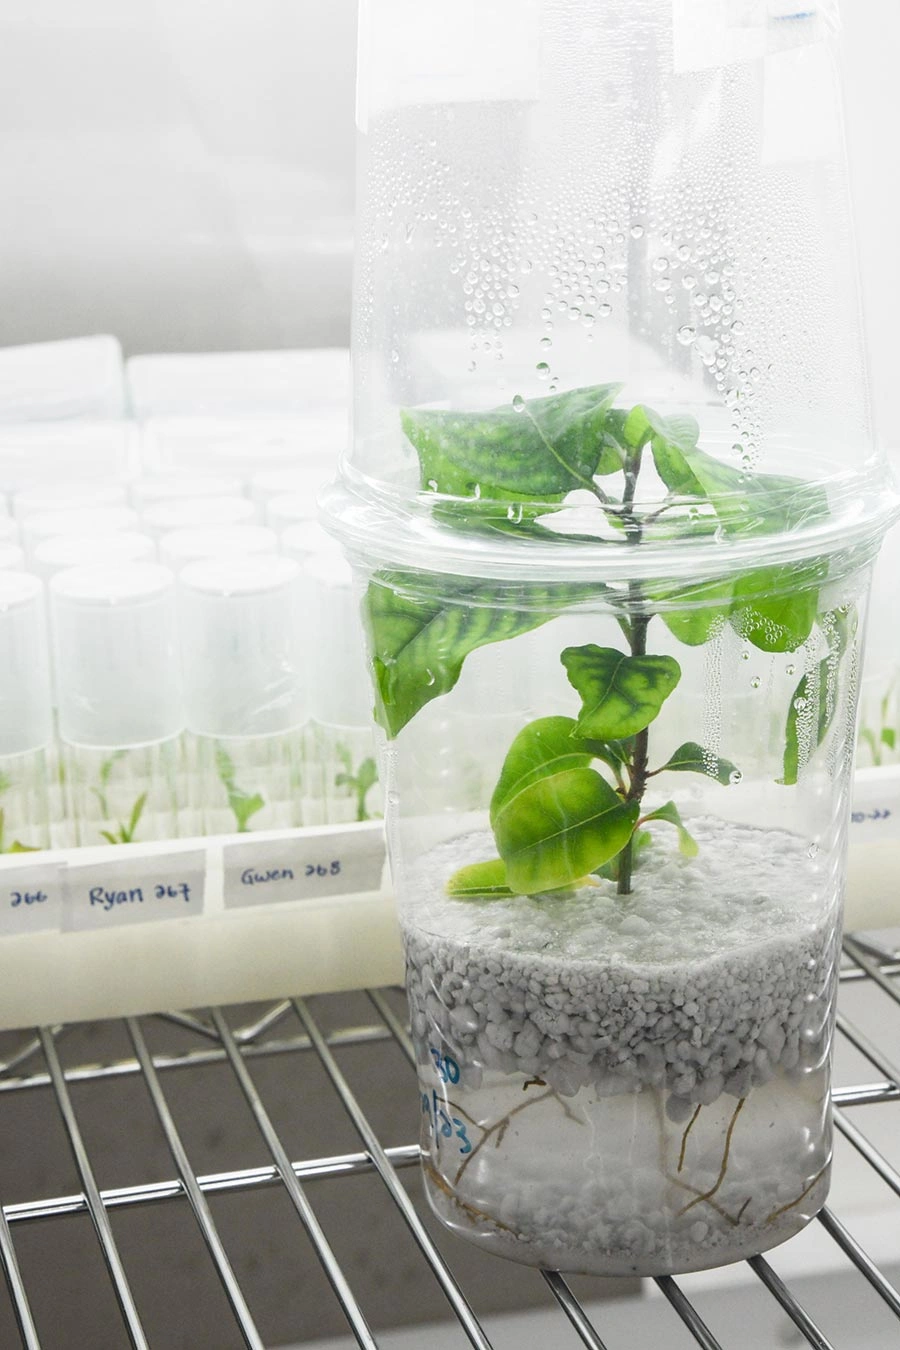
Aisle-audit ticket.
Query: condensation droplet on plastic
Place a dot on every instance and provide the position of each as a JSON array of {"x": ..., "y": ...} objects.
[
  {"x": 755, "y": 682},
  {"x": 546, "y": 341},
  {"x": 686, "y": 334},
  {"x": 604, "y": 310},
  {"x": 735, "y": 777},
  {"x": 519, "y": 403},
  {"x": 799, "y": 704},
  {"x": 637, "y": 231},
  {"x": 660, "y": 264},
  {"x": 543, "y": 370},
  {"x": 789, "y": 670}
]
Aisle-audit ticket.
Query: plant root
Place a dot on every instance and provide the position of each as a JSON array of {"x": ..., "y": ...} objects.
[
  {"x": 497, "y": 1131},
  {"x": 472, "y": 1212},
  {"x": 707, "y": 1195},
  {"x": 684, "y": 1137},
  {"x": 783, "y": 1209}
]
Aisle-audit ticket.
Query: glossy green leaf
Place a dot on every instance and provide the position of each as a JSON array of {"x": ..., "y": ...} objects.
[
  {"x": 480, "y": 881},
  {"x": 609, "y": 871},
  {"x": 707, "y": 606},
  {"x": 421, "y": 630},
  {"x": 687, "y": 844},
  {"x": 545, "y": 747},
  {"x": 560, "y": 828},
  {"x": 541, "y": 446},
  {"x": 775, "y": 608},
  {"x": 621, "y": 695},
  {"x": 692, "y": 758}
]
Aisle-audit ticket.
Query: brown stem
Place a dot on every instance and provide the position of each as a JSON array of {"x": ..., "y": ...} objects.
[{"x": 707, "y": 1195}]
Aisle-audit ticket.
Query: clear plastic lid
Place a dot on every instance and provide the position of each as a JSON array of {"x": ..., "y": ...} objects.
[
  {"x": 115, "y": 654},
  {"x": 606, "y": 283},
  {"x": 240, "y": 625},
  {"x": 84, "y": 550},
  {"x": 12, "y": 559},
  {"x": 181, "y": 547},
  {"x": 68, "y": 495},
  {"x": 26, "y": 720},
  {"x": 32, "y": 455},
  {"x": 173, "y": 486},
  {"x": 198, "y": 513},
  {"x": 88, "y": 520}
]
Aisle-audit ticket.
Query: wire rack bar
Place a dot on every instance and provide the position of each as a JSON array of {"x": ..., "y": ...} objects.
[
  {"x": 573, "y": 1310},
  {"x": 860, "y": 1259},
  {"x": 798, "y": 1315},
  {"x": 687, "y": 1312},
  {"x": 92, "y": 1196},
  {"x": 217, "y": 1183},
  {"x": 195, "y": 1196},
  {"x": 192, "y": 1059},
  {"x": 439, "y": 1267},
  {"x": 21, "y": 1306},
  {"x": 329, "y": 1262},
  {"x": 873, "y": 1157},
  {"x": 874, "y": 968},
  {"x": 873, "y": 1053}
]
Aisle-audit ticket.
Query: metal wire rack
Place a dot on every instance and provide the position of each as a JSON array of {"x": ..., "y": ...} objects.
[{"x": 301, "y": 1041}]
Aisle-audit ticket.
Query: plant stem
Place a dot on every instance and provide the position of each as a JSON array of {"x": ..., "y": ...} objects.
[{"x": 639, "y": 623}]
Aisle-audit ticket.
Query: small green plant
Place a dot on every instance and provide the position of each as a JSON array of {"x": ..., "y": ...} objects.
[
  {"x": 243, "y": 805},
  {"x": 124, "y": 831},
  {"x": 569, "y": 801},
  {"x": 882, "y": 737},
  {"x": 359, "y": 782},
  {"x": 14, "y": 845}
]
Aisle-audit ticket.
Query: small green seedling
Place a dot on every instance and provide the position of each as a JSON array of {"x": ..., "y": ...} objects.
[
  {"x": 359, "y": 782},
  {"x": 568, "y": 806},
  {"x": 243, "y": 805}
]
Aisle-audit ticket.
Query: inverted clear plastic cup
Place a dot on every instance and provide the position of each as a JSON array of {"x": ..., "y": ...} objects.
[
  {"x": 12, "y": 558},
  {"x": 88, "y": 520},
  {"x": 71, "y": 495},
  {"x": 291, "y": 508},
  {"x": 25, "y": 706},
  {"x": 147, "y": 490}
]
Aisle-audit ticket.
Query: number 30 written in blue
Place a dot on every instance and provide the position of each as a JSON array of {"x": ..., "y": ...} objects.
[{"x": 446, "y": 1065}]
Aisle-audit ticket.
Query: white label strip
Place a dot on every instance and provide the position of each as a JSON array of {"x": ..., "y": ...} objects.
[
  {"x": 135, "y": 889},
  {"x": 712, "y": 33},
  {"x": 344, "y": 861},
  {"x": 31, "y": 898},
  {"x": 875, "y": 814}
]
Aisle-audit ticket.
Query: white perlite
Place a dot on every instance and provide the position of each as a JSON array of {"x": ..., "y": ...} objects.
[{"x": 714, "y": 973}]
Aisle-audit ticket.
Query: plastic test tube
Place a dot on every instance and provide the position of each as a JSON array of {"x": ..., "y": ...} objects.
[
  {"x": 26, "y": 722},
  {"x": 341, "y": 775},
  {"x": 96, "y": 521},
  {"x": 239, "y": 624},
  {"x": 290, "y": 509},
  {"x": 198, "y": 513},
  {"x": 119, "y": 700},
  {"x": 181, "y": 547}
]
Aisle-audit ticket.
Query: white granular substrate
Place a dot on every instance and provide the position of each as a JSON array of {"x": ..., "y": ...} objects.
[{"x": 714, "y": 973}]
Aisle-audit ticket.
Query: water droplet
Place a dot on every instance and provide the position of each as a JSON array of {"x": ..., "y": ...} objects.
[
  {"x": 745, "y": 656},
  {"x": 755, "y": 682},
  {"x": 660, "y": 264},
  {"x": 688, "y": 281},
  {"x": 543, "y": 370},
  {"x": 546, "y": 342},
  {"x": 813, "y": 850},
  {"x": 519, "y": 402},
  {"x": 604, "y": 310},
  {"x": 587, "y": 320},
  {"x": 799, "y": 704},
  {"x": 686, "y": 335},
  {"x": 637, "y": 231},
  {"x": 512, "y": 291},
  {"x": 789, "y": 670},
  {"x": 735, "y": 777},
  {"x": 395, "y": 356}
]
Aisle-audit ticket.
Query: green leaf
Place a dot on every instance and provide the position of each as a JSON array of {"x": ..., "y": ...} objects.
[
  {"x": 687, "y": 844},
  {"x": 243, "y": 806},
  {"x": 621, "y": 695},
  {"x": 692, "y": 758},
  {"x": 889, "y": 737},
  {"x": 17, "y": 847},
  {"x": 639, "y": 840},
  {"x": 545, "y": 446},
  {"x": 421, "y": 629},
  {"x": 560, "y": 828},
  {"x": 545, "y": 747},
  {"x": 110, "y": 838},
  {"x": 840, "y": 629},
  {"x": 480, "y": 881},
  {"x": 706, "y": 608},
  {"x": 136, "y": 812},
  {"x": 775, "y": 608}
]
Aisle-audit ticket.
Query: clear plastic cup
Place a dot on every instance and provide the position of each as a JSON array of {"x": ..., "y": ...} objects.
[
  {"x": 63, "y": 551},
  {"x": 12, "y": 559},
  {"x": 147, "y": 490},
  {"x": 291, "y": 508},
  {"x": 197, "y": 513},
  {"x": 26, "y": 723},
  {"x": 245, "y": 704},
  {"x": 89, "y": 520},
  {"x": 71, "y": 495},
  {"x": 119, "y": 700}
]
